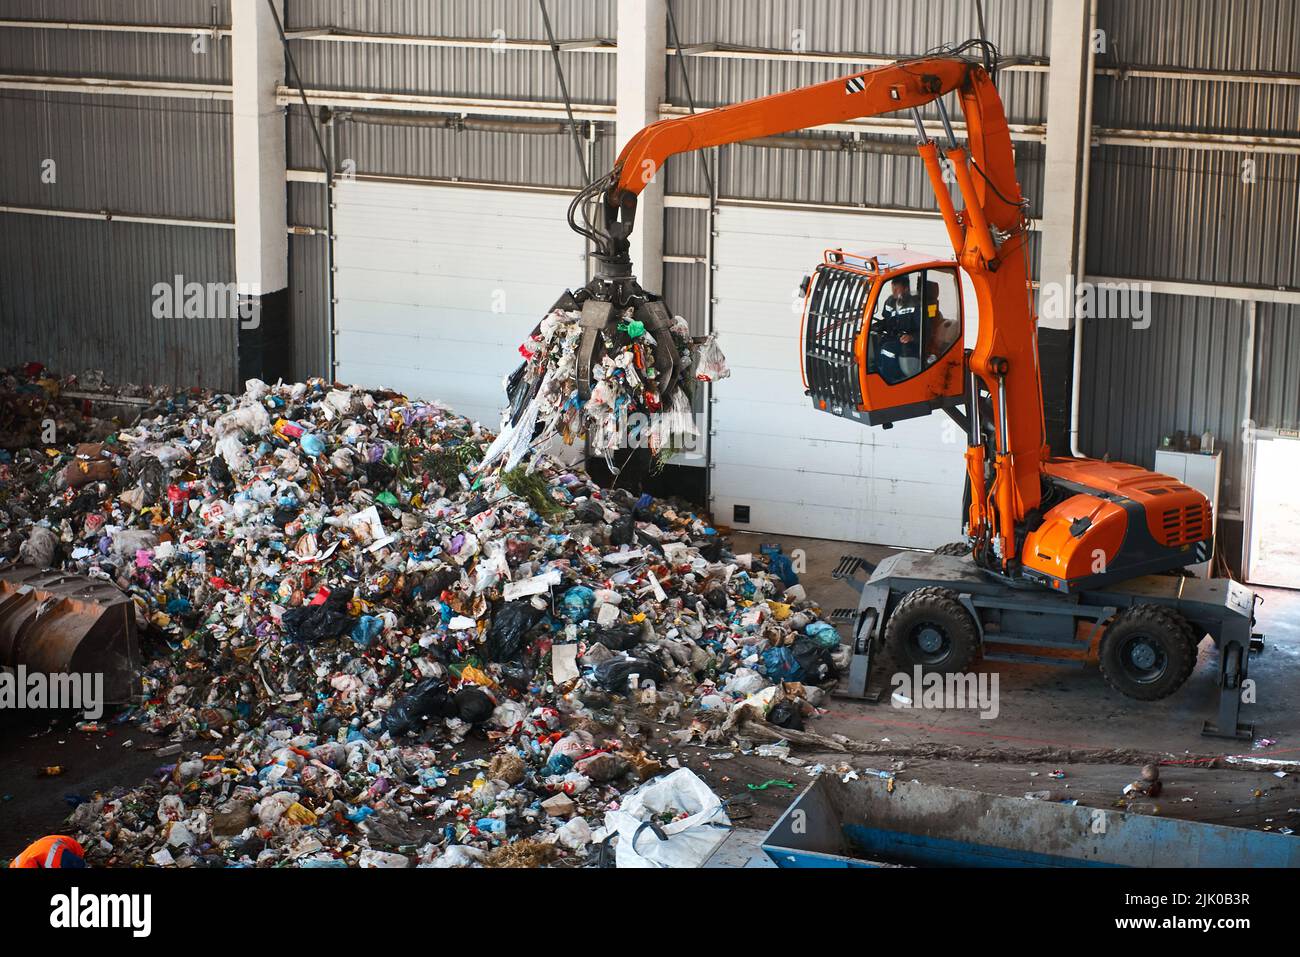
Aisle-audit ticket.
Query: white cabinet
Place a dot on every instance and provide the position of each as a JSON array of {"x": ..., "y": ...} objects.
[{"x": 1202, "y": 471}]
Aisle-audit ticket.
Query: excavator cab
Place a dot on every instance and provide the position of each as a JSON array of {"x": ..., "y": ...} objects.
[{"x": 882, "y": 336}]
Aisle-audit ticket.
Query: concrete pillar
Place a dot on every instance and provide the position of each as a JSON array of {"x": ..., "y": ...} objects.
[
  {"x": 1062, "y": 196},
  {"x": 1066, "y": 87},
  {"x": 261, "y": 216},
  {"x": 642, "y": 40}
]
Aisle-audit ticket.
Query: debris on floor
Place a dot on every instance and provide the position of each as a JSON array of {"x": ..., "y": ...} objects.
[{"x": 363, "y": 647}]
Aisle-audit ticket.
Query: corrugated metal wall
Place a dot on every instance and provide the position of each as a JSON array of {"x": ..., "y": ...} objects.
[
  {"x": 1174, "y": 214},
  {"x": 450, "y": 71},
  {"x": 79, "y": 295},
  {"x": 1190, "y": 215},
  {"x": 1184, "y": 372}
]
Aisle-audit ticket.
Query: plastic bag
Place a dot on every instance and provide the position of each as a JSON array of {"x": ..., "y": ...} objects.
[
  {"x": 786, "y": 714},
  {"x": 712, "y": 366},
  {"x": 329, "y": 619},
  {"x": 780, "y": 664},
  {"x": 615, "y": 674},
  {"x": 686, "y": 841},
  {"x": 428, "y": 699},
  {"x": 816, "y": 664},
  {"x": 508, "y": 634},
  {"x": 824, "y": 634},
  {"x": 619, "y": 637},
  {"x": 674, "y": 427}
]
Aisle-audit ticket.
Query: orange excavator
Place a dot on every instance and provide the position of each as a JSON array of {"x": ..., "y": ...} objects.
[{"x": 1058, "y": 552}]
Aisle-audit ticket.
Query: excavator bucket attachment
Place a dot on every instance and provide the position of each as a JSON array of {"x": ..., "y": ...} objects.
[{"x": 60, "y": 623}]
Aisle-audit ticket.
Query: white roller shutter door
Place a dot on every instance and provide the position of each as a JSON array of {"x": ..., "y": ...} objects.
[
  {"x": 800, "y": 471},
  {"x": 438, "y": 285}
]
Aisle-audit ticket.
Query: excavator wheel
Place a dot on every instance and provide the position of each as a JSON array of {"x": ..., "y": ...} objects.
[
  {"x": 1148, "y": 652},
  {"x": 931, "y": 628},
  {"x": 959, "y": 549}
]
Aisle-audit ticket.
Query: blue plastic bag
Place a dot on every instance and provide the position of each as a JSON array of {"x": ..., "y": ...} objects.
[{"x": 780, "y": 664}]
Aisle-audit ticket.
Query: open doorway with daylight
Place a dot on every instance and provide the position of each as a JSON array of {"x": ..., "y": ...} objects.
[{"x": 1273, "y": 556}]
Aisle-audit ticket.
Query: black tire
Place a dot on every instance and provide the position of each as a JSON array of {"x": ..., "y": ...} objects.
[
  {"x": 1148, "y": 652},
  {"x": 931, "y": 628},
  {"x": 959, "y": 549}
]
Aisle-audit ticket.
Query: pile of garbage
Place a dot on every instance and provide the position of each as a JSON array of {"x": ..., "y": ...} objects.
[
  {"x": 36, "y": 408},
  {"x": 622, "y": 384},
  {"x": 365, "y": 647}
]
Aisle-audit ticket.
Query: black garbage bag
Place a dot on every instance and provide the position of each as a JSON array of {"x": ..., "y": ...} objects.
[
  {"x": 429, "y": 700},
  {"x": 329, "y": 619},
  {"x": 589, "y": 512},
  {"x": 219, "y": 472},
  {"x": 786, "y": 714},
  {"x": 153, "y": 480},
  {"x": 613, "y": 674},
  {"x": 508, "y": 634},
  {"x": 815, "y": 661},
  {"x": 379, "y": 475},
  {"x": 715, "y": 593},
  {"x": 516, "y": 677},
  {"x": 473, "y": 704},
  {"x": 623, "y": 531},
  {"x": 619, "y": 637},
  {"x": 439, "y": 580},
  {"x": 710, "y": 549}
]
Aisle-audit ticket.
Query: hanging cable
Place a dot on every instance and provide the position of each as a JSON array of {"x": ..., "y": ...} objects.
[
  {"x": 686, "y": 84},
  {"x": 564, "y": 91},
  {"x": 297, "y": 80},
  {"x": 979, "y": 15}
]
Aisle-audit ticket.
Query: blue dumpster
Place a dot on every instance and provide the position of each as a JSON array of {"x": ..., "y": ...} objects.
[{"x": 877, "y": 822}]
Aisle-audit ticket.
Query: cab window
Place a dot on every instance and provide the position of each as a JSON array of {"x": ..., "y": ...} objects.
[{"x": 917, "y": 319}]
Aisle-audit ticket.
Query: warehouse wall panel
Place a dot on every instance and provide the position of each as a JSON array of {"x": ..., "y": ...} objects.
[
  {"x": 519, "y": 19},
  {"x": 404, "y": 148},
  {"x": 890, "y": 27},
  {"x": 502, "y": 73},
  {"x": 78, "y": 295},
  {"x": 174, "y": 57},
  {"x": 1276, "y": 393},
  {"x": 165, "y": 157},
  {"x": 1205, "y": 34},
  {"x": 1188, "y": 215},
  {"x": 1185, "y": 371},
  {"x": 182, "y": 13},
  {"x": 309, "y": 306}
]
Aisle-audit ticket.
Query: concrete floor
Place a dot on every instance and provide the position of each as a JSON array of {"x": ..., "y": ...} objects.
[{"x": 1047, "y": 710}]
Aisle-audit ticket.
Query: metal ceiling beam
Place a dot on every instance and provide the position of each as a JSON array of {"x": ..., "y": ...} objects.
[
  {"x": 711, "y": 50},
  {"x": 1205, "y": 290},
  {"x": 101, "y": 85},
  {"x": 597, "y": 112}
]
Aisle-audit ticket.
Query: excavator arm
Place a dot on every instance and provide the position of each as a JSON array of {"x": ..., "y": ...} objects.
[{"x": 988, "y": 237}]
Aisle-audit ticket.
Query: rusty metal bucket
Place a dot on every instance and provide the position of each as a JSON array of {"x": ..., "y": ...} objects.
[{"x": 56, "y": 622}]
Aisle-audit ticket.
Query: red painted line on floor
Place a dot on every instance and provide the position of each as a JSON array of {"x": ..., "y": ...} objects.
[{"x": 1015, "y": 737}]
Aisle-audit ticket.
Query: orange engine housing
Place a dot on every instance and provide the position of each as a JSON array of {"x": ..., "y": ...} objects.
[{"x": 1120, "y": 521}]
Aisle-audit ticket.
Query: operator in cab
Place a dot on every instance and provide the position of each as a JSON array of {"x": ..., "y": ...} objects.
[{"x": 899, "y": 327}]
